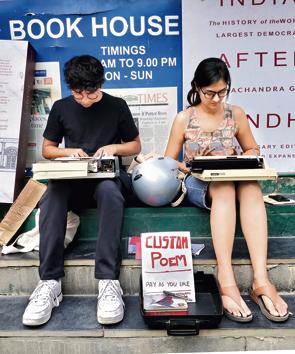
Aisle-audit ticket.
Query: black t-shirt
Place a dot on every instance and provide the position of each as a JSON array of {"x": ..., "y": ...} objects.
[{"x": 108, "y": 121}]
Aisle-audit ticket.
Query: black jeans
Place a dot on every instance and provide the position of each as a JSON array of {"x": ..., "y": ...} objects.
[{"x": 63, "y": 195}]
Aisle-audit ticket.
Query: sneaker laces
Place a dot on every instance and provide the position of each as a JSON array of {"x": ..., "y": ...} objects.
[
  {"x": 110, "y": 291},
  {"x": 44, "y": 293}
]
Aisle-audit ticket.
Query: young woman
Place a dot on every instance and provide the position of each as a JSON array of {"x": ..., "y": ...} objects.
[{"x": 210, "y": 126}]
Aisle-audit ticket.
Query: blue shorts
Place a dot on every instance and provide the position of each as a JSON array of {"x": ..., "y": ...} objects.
[{"x": 196, "y": 192}]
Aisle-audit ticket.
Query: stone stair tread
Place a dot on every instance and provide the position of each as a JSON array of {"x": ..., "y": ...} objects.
[
  {"x": 76, "y": 316},
  {"x": 279, "y": 248}
]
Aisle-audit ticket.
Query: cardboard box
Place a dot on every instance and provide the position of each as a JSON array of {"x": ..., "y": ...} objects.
[{"x": 20, "y": 210}]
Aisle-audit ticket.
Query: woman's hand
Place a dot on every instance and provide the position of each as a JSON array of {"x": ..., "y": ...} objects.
[
  {"x": 254, "y": 152},
  {"x": 207, "y": 151},
  {"x": 183, "y": 168}
]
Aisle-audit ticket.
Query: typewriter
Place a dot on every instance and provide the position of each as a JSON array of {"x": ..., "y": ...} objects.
[
  {"x": 231, "y": 168},
  {"x": 77, "y": 167}
]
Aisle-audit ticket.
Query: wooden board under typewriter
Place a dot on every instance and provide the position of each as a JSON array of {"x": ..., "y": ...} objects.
[
  {"x": 236, "y": 168},
  {"x": 76, "y": 168}
]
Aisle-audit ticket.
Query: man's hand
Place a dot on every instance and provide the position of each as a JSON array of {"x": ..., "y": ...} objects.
[
  {"x": 50, "y": 150},
  {"x": 107, "y": 150},
  {"x": 76, "y": 153}
]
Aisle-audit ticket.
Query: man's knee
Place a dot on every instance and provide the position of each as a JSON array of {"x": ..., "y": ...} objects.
[
  {"x": 108, "y": 188},
  {"x": 58, "y": 186},
  {"x": 56, "y": 190}
]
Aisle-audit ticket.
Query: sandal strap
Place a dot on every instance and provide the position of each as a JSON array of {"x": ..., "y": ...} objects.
[
  {"x": 267, "y": 290},
  {"x": 232, "y": 292}
]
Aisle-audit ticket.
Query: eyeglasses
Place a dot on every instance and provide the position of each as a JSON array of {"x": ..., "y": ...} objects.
[
  {"x": 211, "y": 94},
  {"x": 90, "y": 95}
]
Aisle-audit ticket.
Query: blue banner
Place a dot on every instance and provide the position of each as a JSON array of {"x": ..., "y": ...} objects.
[{"x": 138, "y": 42}]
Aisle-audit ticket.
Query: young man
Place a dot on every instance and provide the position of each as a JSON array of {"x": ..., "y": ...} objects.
[{"x": 92, "y": 123}]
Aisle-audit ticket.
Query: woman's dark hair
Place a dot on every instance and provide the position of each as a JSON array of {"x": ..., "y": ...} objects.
[
  {"x": 208, "y": 72},
  {"x": 84, "y": 73}
]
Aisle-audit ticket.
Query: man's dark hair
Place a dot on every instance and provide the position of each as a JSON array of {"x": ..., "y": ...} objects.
[{"x": 84, "y": 73}]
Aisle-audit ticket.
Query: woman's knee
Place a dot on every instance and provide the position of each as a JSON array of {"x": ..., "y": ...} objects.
[
  {"x": 249, "y": 189},
  {"x": 224, "y": 190}
]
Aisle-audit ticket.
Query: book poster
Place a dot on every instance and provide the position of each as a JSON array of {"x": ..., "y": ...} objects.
[
  {"x": 167, "y": 264},
  {"x": 256, "y": 41}
]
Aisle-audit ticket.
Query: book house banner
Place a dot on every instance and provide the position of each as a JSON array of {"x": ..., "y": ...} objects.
[
  {"x": 139, "y": 46},
  {"x": 167, "y": 263},
  {"x": 256, "y": 40}
]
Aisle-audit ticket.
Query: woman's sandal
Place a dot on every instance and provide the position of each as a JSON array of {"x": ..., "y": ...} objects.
[
  {"x": 233, "y": 293},
  {"x": 271, "y": 292}
]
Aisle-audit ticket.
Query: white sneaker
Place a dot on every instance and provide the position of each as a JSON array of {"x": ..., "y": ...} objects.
[
  {"x": 44, "y": 298},
  {"x": 110, "y": 305}
]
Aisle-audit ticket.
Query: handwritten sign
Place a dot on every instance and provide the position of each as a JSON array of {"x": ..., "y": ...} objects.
[{"x": 167, "y": 263}]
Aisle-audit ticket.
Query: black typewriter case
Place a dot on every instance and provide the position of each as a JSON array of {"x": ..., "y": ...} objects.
[
  {"x": 206, "y": 312},
  {"x": 225, "y": 163}
]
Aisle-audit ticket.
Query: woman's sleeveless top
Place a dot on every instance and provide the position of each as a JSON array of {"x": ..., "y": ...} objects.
[{"x": 221, "y": 140}]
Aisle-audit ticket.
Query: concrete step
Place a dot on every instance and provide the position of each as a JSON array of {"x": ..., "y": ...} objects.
[
  {"x": 73, "y": 329},
  {"x": 19, "y": 272}
]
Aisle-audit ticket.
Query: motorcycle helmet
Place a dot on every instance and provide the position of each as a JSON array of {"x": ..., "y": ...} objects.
[{"x": 155, "y": 181}]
